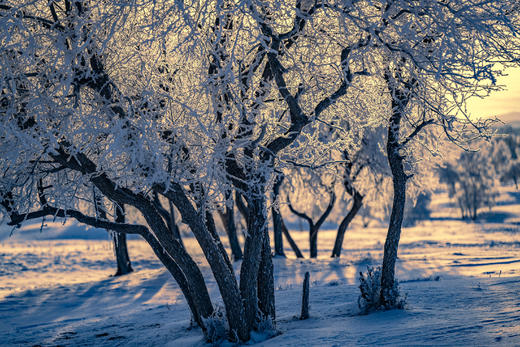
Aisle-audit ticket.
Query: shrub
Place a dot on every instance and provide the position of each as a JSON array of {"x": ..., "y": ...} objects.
[{"x": 370, "y": 298}]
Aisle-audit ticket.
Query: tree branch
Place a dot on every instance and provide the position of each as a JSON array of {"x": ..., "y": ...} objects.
[
  {"x": 48, "y": 24},
  {"x": 17, "y": 219},
  {"x": 325, "y": 214},
  {"x": 416, "y": 131},
  {"x": 300, "y": 214}
]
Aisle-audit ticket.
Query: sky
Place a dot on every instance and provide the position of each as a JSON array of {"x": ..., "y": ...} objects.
[{"x": 504, "y": 104}]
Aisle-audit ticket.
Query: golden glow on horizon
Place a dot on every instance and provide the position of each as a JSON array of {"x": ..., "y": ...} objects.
[{"x": 505, "y": 102}]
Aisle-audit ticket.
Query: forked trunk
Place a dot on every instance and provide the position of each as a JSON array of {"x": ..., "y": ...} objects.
[{"x": 315, "y": 227}]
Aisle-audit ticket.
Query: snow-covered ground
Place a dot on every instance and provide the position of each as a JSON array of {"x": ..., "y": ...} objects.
[{"x": 462, "y": 282}]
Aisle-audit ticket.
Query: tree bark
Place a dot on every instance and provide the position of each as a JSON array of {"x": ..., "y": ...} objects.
[
  {"x": 249, "y": 272},
  {"x": 277, "y": 218},
  {"x": 293, "y": 244},
  {"x": 338, "y": 243},
  {"x": 393, "y": 236},
  {"x": 120, "y": 247},
  {"x": 399, "y": 178},
  {"x": 199, "y": 313},
  {"x": 172, "y": 225},
  {"x": 228, "y": 220},
  {"x": 266, "y": 300},
  {"x": 220, "y": 266}
]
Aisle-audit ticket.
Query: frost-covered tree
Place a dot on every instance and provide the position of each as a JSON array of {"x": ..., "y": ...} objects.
[
  {"x": 476, "y": 183},
  {"x": 171, "y": 106},
  {"x": 417, "y": 210},
  {"x": 471, "y": 178},
  {"x": 505, "y": 158},
  {"x": 512, "y": 172},
  {"x": 154, "y": 102},
  {"x": 429, "y": 57}
]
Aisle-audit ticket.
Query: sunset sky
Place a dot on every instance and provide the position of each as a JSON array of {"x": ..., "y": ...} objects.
[{"x": 505, "y": 104}]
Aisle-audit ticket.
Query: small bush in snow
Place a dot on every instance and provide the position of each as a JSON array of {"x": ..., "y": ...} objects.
[
  {"x": 370, "y": 297},
  {"x": 216, "y": 326}
]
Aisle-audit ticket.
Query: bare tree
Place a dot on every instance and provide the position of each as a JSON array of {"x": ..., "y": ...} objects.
[{"x": 314, "y": 227}]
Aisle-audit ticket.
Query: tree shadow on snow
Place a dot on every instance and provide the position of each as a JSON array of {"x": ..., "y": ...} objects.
[
  {"x": 44, "y": 308},
  {"x": 495, "y": 217}
]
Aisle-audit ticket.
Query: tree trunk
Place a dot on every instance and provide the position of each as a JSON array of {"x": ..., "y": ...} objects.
[
  {"x": 266, "y": 303},
  {"x": 277, "y": 233},
  {"x": 356, "y": 205},
  {"x": 218, "y": 260},
  {"x": 277, "y": 218},
  {"x": 211, "y": 227},
  {"x": 249, "y": 271},
  {"x": 120, "y": 247},
  {"x": 392, "y": 241},
  {"x": 119, "y": 239},
  {"x": 228, "y": 220},
  {"x": 313, "y": 242},
  {"x": 293, "y": 244},
  {"x": 399, "y": 179},
  {"x": 168, "y": 244},
  {"x": 256, "y": 275},
  {"x": 173, "y": 226},
  {"x": 242, "y": 208},
  {"x": 199, "y": 313}
]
